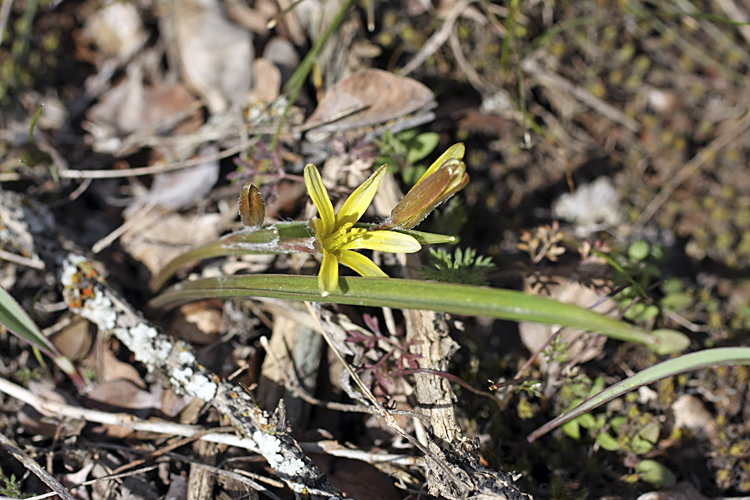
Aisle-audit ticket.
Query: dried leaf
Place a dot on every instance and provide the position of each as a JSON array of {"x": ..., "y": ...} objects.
[
  {"x": 370, "y": 97},
  {"x": 216, "y": 55}
]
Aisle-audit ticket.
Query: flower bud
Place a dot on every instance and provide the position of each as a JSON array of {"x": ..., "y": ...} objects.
[
  {"x": 442, "y": 180},
  {"x": 252, "y": 206}
]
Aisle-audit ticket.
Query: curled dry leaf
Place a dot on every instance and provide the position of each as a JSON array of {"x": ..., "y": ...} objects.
[
  {"x": 368, "y": 98},
  {"x": 580, "y": 346},
  {"x": 116, "y": 30},
  {"x": 183, "y": 188},
  {"x": 161, "y": 235},
  {"x": 134, "y": 107},
  {"x": 216, "y": 55},
  {"x": 691, "y": 414}
]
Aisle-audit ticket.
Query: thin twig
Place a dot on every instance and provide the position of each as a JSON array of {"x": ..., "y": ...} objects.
[
  {"x": 34, "y": 467},
  {"x": 554, "y": 80},
  {"x": 389, "y": 420},
  {"x": 156, "y": 169},
  {"x": 695, "y": 163},
  {"x": 21, "y": 261},
  {"x": 437, "y": 39}
]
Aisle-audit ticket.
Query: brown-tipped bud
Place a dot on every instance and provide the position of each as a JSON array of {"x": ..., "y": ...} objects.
[
  {"x": 252, "y": 206},
  {"x": 431, "y": 191}
]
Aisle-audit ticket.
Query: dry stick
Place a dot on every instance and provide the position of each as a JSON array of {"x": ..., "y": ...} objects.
[
  {"x": 62, "y": 410},
  {"x": 554, "y": 80},
  {"x": 34, "y": 467},
  {"x": 4, "y": 14},
  {"x": 389, "y": 420},
  {"x": 20, "y": 260},
  {"x": 94, "y": 481},
  {"x": 735, "y": 14},
  {"x": 173, "y": 446},
  {"x": 56, "y": 409},
  {"x": 111, "y": 237},
  {"x": 695, "y": 163},
  {"x": 466, "y": 68},
  {"x": 436, "y": 40},
  {"x": 156, "y": 169}
]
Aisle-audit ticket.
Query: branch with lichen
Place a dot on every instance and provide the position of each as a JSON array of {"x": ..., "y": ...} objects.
[{"x": 86, "y": 293}]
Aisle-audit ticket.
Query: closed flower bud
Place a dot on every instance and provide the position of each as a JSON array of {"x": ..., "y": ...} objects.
[
  {"x": 442, "y": 180},
  {"x": 252, "y": 206}
]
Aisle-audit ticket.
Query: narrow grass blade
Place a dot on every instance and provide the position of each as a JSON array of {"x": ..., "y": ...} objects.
[
  {"x": 694, "y": 361},
  {"x": 15, "y": 319},
  {"x": 411, "y": 294}
]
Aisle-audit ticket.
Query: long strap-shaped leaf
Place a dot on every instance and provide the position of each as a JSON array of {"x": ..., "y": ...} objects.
[
  {"x": 688, "y": 362},
  {"x": 411, "y": 294}
]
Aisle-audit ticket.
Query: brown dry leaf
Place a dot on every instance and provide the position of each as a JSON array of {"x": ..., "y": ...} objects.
[
  {"x": 216, "y": 55},
  {"x": 267, "y": 85},
  {"x": 691, "y": 414},
  {"x": 198, "y": 322},
  {"x": 580, "y": 346},
  {"x": 116, "y": 30},
  {"x": 160, "y": 236},
  {"x": 74, "y": 341},
  {"x": 133, "y": 107},
  {"x": 114, "y": 369},
  {"x": 172, "y": 404},
  {"x": 182, "y": 188},
  {"x": 125, "y": 394},
  {"x": 368, "y": 98}
]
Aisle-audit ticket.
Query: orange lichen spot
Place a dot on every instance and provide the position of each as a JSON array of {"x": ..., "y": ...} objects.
[{"x": 88, "y": 292}]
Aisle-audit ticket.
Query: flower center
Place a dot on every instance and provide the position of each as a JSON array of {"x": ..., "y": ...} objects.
[{"x": 341, "y": 237}]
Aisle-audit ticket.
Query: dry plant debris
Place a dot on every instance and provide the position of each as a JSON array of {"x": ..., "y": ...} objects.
[{"x": 629, "y": 120}]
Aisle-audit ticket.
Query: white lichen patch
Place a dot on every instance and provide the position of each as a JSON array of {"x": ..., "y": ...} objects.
[
  {"x": 140, "y": 340},
  {"x": 186, "y": 357},
  {"x": 70, "y": 268},
  {"x": 181, "y": 376},
  {"x": 201, "y": 387},
  {"x": 100, "y": 311},
  {"x": 270, "y": 447}
]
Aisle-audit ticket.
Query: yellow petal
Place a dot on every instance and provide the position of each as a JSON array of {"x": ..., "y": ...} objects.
[
  {"x": 385, "y": 241},
  {"x": 359, "y": 200},
  {"x": 454, "y": 152},
  {"x": 328, "y": 277},
  {"x": 361, "y": 264},
  {"x": 320, "y": 198}
]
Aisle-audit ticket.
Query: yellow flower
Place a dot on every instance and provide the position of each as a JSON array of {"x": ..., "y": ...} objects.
[{"x": 338, "y": 238}]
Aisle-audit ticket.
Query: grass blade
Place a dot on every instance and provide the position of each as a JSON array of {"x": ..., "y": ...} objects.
[{"x": 411, "y": 294}]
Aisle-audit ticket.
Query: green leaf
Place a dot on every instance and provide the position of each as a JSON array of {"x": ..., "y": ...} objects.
[
  {"x": 421, "y": 146},
  {"x": 616, "y": 423},
  {"x": 640, "y": 446},
  {"x": 707, "y": 358},
  {"x": 676, "y": 301},
  {"x": 650, "y": 432},
  {"x": 587, "y": 421},
  {"x": 639, "y": 250},
  {"x": 411, "y": 294},
  {"x": 572, "y": 430},
  {"x": 15, "y": 319},
  {"x": 607, "y": 442},
  {"x": 655, "y": 473}
]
